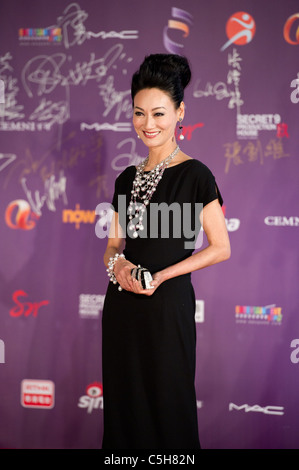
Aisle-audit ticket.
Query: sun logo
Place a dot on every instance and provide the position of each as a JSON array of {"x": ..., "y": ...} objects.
[{"x": 287, "y": 29}]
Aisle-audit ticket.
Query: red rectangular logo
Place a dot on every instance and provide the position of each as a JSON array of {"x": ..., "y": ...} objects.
[{"x": 37, "y": 393}]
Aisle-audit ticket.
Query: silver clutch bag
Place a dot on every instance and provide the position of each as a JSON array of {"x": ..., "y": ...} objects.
[{"x": 143, "y": 276}]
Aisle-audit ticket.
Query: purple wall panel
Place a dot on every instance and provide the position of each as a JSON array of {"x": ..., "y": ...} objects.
[{"x": 66, "y": 133}]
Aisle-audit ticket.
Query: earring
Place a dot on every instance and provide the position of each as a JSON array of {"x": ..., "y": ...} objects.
[{"x": 181, "y": 137}]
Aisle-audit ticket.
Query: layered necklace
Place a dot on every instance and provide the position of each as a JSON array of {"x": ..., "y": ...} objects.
[{"x": 144, "y": 186}]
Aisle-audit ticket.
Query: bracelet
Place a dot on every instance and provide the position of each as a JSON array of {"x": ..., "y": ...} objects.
[{"x": 110, "y": 270}]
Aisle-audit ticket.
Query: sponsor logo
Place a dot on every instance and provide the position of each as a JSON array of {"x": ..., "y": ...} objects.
[
  {"x": 25, "y": 308},
  {"x": 90, "y": 306},
  {"x": 282, "y": 221},
  {"x": 37, "y": 35},
  {"x": 231, "y": 224},
  {"x": 116, "y": 127},
  {"x": 249, "y": 125},
  {"x": 295, "y": 353},
  {"x": 93, "y": 400},
  {"x": 22, "y": 214},
  {"x": 19, "y": 215},
  {"x": 72, "y": 22},
  {"x": 2, "y": 352},
  {"x": 267, "y": 410},
  {"x": 240, "y": 29},
  {"x": 282, "y": 130},
  {"x": 37, "y": 393},
  {"x": 78, "y": 216},
  {"x": 178, "y": 22},
  {"x": 259, "y": 315},
  {"x": 188, "y": 130},
  {"x": 200, "y": 311},
  {"x": 290, "y": 25}
]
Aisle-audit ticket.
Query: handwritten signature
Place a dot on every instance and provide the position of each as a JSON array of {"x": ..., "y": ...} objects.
[
  {"x": 220, "y": 89},
  {"x": 119, "y": 99},
  {"x": 53, "y": 190},
  {"x": 51, "y": 112},
  {"x": 74, "y": 31},
  {"x": 131, "y": 157},
  {"x": 11, "y": 109},
  {"x": 42, "y": 74}
]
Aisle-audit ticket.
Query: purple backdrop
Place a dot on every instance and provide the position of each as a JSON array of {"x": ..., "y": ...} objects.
[{"x": 66, "y": 133}]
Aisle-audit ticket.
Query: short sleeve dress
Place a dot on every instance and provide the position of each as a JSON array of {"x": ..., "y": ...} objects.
[{"x": 149, "y": 342}]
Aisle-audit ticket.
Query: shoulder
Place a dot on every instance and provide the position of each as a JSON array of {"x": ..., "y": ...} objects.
[
  {"x": 199, "y": 169},
  {"x": 126, "y": 175}
]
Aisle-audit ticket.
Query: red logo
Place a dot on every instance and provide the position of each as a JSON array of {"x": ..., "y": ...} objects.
[
  {"x": 282, "y": 130},
  {"x": 287, "y": 29},
  {"x": 18, "y": 213},
  {"x": 93, "y": 400},
  {"x": 188, "y": 130},
  {"x": 25, "y": 308},
  {"x": 94, "y": 390},
  {"x": 37, "y": 393},
  {"x": 240, "y": 29}
]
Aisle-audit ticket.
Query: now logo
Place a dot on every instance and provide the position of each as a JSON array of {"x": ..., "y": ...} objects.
[{"x": 78, "y": 216}]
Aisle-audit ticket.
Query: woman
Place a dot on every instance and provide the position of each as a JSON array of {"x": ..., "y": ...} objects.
[{"x": 149, "y": 333}]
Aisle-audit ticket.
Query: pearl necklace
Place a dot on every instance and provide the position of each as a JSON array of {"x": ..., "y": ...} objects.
[{"x": 145, "y": 183}]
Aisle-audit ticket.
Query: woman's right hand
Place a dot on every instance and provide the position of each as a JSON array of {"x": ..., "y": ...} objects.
[{"x": 122, "y": 271}]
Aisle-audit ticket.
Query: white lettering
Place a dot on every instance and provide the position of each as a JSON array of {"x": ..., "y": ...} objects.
[
  {"x": 114, "y": 459},
  {"x": 117, "y": 127},
  {"x": 232, "y": 224},
  {"x": 105, "y": 213},
  {"x": 268, "y": 410},
  {"x": 295, "y": 93},
  {"x": 282, "y": 221},
  {"x": 2, "y": 352},
  {"x": 295, "y": 353},
  {"x": 90, "y": 403}
]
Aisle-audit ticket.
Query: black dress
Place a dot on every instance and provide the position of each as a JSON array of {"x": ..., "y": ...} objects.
[{"x": 149, "y": 342}]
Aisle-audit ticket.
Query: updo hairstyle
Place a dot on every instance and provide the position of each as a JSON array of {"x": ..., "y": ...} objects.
[{"x": 168, "y": 72}]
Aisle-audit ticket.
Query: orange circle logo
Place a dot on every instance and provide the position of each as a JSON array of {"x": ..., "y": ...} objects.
[
  {"x": 240, "y": 29},
  {"x": 287, "y": 29},
  {"x": 17, "y": 215}
]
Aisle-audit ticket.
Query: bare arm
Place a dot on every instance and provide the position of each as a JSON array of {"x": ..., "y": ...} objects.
[
  {"x": 218, "y": 248},
  {"x": 115, "y": 241},
  {"x": 123, "y": 267}
]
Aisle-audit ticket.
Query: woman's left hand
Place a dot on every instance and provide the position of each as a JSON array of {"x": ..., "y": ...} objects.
[{"x": 157, "y": 280}]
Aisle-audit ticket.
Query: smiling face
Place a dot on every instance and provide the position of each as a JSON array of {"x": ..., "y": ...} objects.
[{"x": 155, "y": 117}]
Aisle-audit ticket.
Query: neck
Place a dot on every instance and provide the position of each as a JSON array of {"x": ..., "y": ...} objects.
[{"x": 157, "y": 155}]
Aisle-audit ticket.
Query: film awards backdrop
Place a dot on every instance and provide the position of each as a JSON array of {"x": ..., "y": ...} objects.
[{"x": 65, "y": 135}]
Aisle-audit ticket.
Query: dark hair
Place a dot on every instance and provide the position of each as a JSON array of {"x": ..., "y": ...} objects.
[{"x": 168, "y": 72}]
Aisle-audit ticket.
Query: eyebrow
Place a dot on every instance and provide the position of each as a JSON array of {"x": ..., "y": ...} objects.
[{"x": 158, "y": 107}]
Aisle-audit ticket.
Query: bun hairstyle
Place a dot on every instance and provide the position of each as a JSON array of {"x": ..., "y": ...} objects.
[{"x": 168, "y": 72}]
